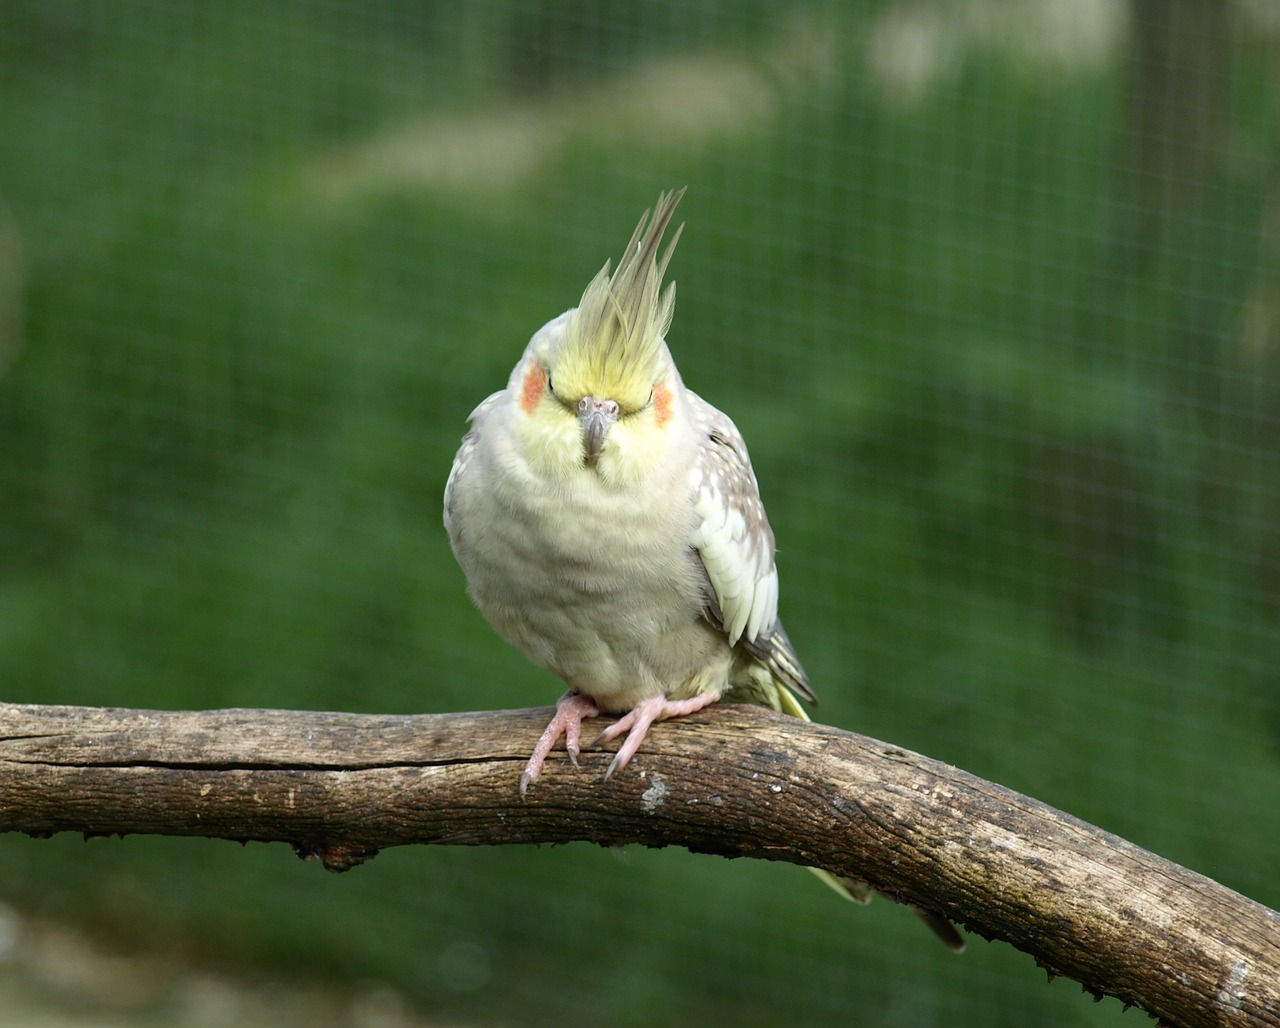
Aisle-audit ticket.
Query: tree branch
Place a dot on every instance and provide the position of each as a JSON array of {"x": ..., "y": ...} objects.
[{"x": 733, "y": 780}]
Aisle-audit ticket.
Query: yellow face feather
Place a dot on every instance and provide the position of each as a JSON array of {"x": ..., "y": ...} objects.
[{"x": 613, "y": 342}]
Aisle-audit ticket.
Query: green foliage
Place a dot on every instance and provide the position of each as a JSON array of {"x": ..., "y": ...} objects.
[{"x": 1020, "y": 464}]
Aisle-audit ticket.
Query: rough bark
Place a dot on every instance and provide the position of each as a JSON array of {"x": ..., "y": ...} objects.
[{"x": 736, "y": 781}]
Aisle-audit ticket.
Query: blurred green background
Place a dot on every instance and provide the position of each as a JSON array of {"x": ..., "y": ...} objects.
[{"x": 992, "y": 289}]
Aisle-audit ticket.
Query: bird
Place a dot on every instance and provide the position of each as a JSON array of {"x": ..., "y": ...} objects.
[{"x": 609, "y": 524}]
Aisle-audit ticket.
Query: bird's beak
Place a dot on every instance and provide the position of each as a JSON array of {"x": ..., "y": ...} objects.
[{"x": 597, "y": 417}]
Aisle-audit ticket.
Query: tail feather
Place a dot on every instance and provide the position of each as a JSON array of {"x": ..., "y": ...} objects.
[
  {"x": 765, "y": 690},
  {"x": 942, "y": 928}
]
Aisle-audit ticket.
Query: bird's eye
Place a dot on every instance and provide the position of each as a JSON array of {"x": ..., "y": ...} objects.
[
  {"x": 550, "y": 388},
  {"x": 649, "y": 402}
]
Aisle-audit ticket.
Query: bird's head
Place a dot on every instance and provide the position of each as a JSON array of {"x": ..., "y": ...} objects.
[{"x": 597, "y": 389}]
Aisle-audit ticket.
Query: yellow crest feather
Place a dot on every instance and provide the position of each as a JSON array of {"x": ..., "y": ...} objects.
[{"x": 613, "y": 343}]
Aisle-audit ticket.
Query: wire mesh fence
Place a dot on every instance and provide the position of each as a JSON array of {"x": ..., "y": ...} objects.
[{"x": 991, "y": 288}]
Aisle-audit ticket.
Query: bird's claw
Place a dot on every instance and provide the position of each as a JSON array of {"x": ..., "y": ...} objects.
[
  {"x": 636, "y": 724},
  {"x": 616, "y": 764},
  {"x": 571, "y": 709}
]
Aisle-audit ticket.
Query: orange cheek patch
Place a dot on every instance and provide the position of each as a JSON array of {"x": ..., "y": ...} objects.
[
  {"x": 535, "y": 384},
  {"x": 661, "y": 403}
]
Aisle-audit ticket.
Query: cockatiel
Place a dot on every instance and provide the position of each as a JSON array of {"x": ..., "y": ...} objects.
[{"x": 610, "y": 525}]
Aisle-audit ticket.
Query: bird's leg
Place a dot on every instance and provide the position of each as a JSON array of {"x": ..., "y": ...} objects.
[
  {"x": 636, "y": 724},
  {"x": 571, "y": 708}
]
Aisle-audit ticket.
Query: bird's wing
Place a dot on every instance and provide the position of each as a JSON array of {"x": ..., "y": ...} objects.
[
  {"x": 735, "y": 543},
  {"x": 468, "y": 446}
]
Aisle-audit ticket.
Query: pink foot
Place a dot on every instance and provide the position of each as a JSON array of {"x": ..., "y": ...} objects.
[
  {"x": 571, "y": 708},
  {"x": 636, "y": 724}
]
